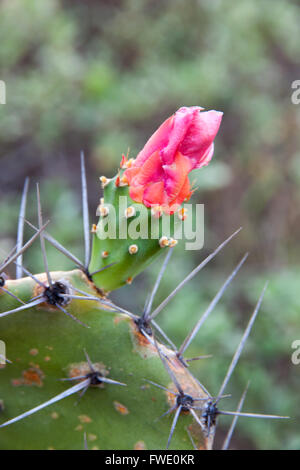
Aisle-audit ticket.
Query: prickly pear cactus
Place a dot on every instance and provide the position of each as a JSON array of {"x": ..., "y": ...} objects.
[{"x": 82, "y": 372}]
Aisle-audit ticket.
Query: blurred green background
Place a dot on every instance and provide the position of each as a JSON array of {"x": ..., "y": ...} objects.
[{"x": 100, "y": 76}]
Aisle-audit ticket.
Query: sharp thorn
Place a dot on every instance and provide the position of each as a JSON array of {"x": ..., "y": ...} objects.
[
  {"x": 42, "y": 240},
  {"x": 89, "y": 360},
  {"x": 229, "y": 434},
  {"x": 12, "y": 251},
  {"x": 146, "y": 303},
  {"x": 79, "y": 297},
  {"x": 85, "y": 211},
  {"x": 12, "y": 295},
  {"x": 61, "y": 396},
  {"x": 156, "y": 285},
  {"x": 151, "y": 340},
  {"x": 210, "y": 308},
  {"x": 201, "y": 399},
  {"x": 23, "y": 307},
  {"x": 168, "y": 369},
  {"x": 161, "y": 387},
  {"x": 24, "y": 248},
  {"x": 113, "y": 382},
  {"x": 102, "y": 269},
  {"x": 196, "y": 417},
  {"x": 163, "y": 334},
  {"x": 71, "y": 316},
  {"x": 242, "y": 343},
  {"x": 118, "y": 309},
  {"x": 198, "y": 358},
  {"x": 191, "y": 439},
  {"x": 201, "y": 385},
  {"x": 87, "y": 296},
  {"x": 174, "y": 425},
  {"x": 83, "y": 392},
  {"x": 166, "y": 413},
  {"x": 93, "y": 299},
  {"x": 34, "y": 278},
  {"x": 20, "y": 233},
  {"x": 59, "y": 247},
  {"x": 70, "y": 379},
  {"x": 37, "y": 297},
  {"x": 83, "y": 292},
  {"x": 192, "y": 274},
  {"x": 252, "y": 415}
]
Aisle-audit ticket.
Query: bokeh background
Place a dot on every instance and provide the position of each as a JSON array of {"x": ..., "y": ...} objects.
[{"x": 100, "y": 76}]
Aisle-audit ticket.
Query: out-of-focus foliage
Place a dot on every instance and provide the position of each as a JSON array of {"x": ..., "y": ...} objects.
[{"x": 101, "y": 76}]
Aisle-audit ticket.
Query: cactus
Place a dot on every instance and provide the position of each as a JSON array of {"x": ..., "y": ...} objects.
[{"x": 84, "y": 372}]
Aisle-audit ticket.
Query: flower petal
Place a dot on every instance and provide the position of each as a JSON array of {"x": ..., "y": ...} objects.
[
  {"x": 157, "y": 141},
  {"x": 154, "y": 194},
  {"x": 151, "y": 170},
  {"x": 200, "y": 136},
  {"x": 181, "y": 123},
  {"x": 176, "y": 174}
]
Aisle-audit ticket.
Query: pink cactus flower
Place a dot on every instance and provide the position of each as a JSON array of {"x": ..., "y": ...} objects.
[{"x": 159, "y": 175}]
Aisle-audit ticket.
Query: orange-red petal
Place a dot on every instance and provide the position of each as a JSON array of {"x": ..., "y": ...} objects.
[{"x": 154, "y": 194}]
